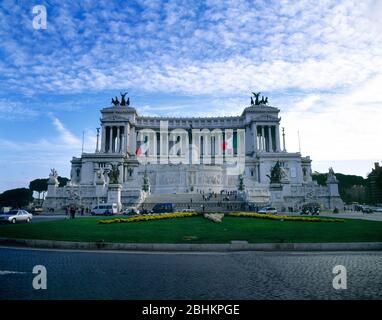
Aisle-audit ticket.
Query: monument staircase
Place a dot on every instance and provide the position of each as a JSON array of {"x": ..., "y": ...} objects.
[{"x": 196, "y": 201}]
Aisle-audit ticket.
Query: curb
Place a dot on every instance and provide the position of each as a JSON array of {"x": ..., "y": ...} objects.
[{"x": 218, "y": 247}]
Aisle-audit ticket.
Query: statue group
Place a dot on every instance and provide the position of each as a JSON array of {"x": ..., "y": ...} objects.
[
  {"x": 277, "y": 173},
  {"x": 258, "y": 102},
  {"x": 123, "y": 102},
  {"x": 114, "y": 173}
]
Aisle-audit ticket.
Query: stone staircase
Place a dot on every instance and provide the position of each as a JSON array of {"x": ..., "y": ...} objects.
[{"x": 195, "y": 201}]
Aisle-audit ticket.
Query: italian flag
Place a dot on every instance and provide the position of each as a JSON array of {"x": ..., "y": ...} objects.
[
  {"x": 227, "y": 144},
  {"x": 142, "y": 149}
]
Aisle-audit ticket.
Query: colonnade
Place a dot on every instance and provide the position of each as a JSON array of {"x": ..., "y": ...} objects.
[
  {"x": 266, "y": 137},
  {"x": 116, "y": 138}
]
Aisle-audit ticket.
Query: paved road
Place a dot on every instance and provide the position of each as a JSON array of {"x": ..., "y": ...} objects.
[
  {"x": 376, "y": 216},
  {"x": 241, "y": 275},
  {"x": 40, "y": 218}
]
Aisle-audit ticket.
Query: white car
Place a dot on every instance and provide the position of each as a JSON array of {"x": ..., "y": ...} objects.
[
  {"x": 268, "y": 210},
  {"x": 14, "y": 216},
  {"x": 104, "y": 209},
  {"x": 130, "y": 210}
]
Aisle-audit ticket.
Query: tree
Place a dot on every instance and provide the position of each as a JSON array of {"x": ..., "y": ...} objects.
[
  {"x": 39, "y": 185},
  {"x": 62, "y": 181},
  {"x": 16, "y": 198},
  {"x": 350, "y": 187}
]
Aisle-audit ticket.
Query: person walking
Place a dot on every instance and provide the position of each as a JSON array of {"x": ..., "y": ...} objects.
[{"x": 72, "y": 212}]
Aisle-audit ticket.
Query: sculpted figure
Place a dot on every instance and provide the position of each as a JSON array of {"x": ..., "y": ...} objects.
[
  {"x": 114, "y": 174},
  {"x": 114, "y": 102},
  {"x": 257, "y": 95},
  {"x": 277, "y": 173},
  {"x": 123, "y": 101}
]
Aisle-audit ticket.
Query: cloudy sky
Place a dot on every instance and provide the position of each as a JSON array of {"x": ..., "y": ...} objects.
[{"x": 320, "y": 62}]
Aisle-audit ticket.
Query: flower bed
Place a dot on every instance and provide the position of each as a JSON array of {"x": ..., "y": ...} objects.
[
  {"x": 149, "y": 217},
  {"x": 214, "y": 217},
  {"x": 283, "y": 218}
]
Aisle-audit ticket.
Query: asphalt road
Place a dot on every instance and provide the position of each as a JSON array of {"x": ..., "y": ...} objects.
[{"x": 240, "y": 275}]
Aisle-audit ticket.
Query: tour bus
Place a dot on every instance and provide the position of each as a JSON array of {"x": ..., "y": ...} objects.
[
  {"x": 105, "y": 209},
  {"x": 163, "y": 208}
]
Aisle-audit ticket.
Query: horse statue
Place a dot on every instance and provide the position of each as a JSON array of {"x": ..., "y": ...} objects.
[{"x": 123, "y": 101}]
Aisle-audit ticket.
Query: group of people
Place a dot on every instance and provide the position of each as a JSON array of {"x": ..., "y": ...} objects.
[
  {"x": 72, "y": 210},
  {"x": 208, "y": 196}
]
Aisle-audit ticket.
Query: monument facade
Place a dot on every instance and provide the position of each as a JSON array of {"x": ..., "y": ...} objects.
[{"x": 138, "y": 156}]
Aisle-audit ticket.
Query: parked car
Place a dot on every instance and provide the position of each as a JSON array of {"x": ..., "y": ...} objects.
[
  {"x": 367, "y": 210},
  {"x": 378, "y": 209},
  {"x": 163, "y": 208},
  {"x": 131, "y": 210},
  {"x": 14, "y": 216},
  {"x": 104, "y": 209},
  {"x": 268, "y": 210}
]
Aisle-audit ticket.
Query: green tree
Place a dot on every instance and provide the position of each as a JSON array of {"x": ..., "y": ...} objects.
[
  {"x": 39, "y": 185},
  {"x": 62, "y": 181},
  {"x": 16, "y": 198},
  {"x": 350, "y": 187}
]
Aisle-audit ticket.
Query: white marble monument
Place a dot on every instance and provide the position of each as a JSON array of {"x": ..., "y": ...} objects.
[{"x": 190, "y": 155}]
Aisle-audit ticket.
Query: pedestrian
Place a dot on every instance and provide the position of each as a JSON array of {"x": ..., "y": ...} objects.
[{"x": 72, "y": 212}]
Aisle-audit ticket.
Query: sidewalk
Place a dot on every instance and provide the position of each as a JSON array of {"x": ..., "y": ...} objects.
[{"x": 184, "y": 247}]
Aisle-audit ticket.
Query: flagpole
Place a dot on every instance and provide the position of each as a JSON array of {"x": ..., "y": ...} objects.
[
  {"x": 83, "y": 138},
  {"x": 299, "y": 144}
]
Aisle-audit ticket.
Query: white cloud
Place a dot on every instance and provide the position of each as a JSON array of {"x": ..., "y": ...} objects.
[
  {"x": 10, "y": 110},
  {"x": 23, "y": 161},
  {"x": 220, "y": 47},
  {"x": 327, "y": 53},
  {"x": 65, "y": 135},
  {"x": 338, "y": 126}
]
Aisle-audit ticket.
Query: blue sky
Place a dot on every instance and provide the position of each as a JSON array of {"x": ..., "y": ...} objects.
[{"x": 320, "y": 62}]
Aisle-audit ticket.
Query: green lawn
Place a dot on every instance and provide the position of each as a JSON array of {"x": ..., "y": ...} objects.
[{"x": 198, "y": 230}]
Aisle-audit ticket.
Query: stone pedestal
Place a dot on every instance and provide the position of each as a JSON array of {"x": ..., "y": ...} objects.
[
  {"x": 114, "y": 195},
  {"x": 335, "y": 200},
  {"x": 277, "y": 198}
]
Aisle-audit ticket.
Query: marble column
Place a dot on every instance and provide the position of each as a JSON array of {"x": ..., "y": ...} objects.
[
  {"x": 133, "y": 138},
  {"x": 118, "y": 140},
  {"x": 254, "y": 131},
  {"x": 125, "y": 144},
  {"x": 110, "y": 139},
  {"x": 270, "y": 142},
  {"x": 103, "y": 139},
  {"x": 277, "y": 133},
  {"x": 262, "y": 139}
]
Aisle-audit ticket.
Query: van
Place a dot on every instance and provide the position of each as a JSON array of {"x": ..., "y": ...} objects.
[
  {"x": 163, "y": 208},
  {"x": 104, "y": 209}
]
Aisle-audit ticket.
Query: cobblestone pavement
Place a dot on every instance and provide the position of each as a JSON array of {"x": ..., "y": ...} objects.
[{"x": 239, "y": 275}]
